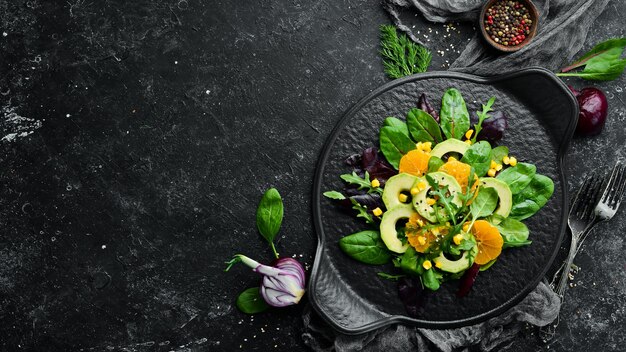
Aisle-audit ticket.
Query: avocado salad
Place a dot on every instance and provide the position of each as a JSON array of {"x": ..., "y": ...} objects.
[{"x": 441, "y": 198}]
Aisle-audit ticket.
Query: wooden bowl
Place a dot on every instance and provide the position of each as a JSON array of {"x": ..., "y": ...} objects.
[{"x": 534, "y": 16}]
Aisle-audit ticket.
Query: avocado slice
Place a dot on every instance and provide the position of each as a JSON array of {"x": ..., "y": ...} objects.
[
  {"x": 388, "y": 227},
  {"x": 455, "y": 266},
  {"x": 427, "y": 211},
  {"x": 399, "y": 183},
  {"x": 504, "y": 195},
  {"x": 449, "y": 146}
]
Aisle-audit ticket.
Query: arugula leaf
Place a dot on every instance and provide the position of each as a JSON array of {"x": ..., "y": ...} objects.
[
  {"x": 602, "y": 63},
  {"x": 513, "y": 232},
  {"x": 250, "y": 301},
  {"x": 411, "y": 263},
  {"x": 423, "y": 127},
  {"x": 363, "y": 183},
  {"x": 366, "y": 247},
  {"x": 434, "y": 163},
  {"x": 334, "y": 195},
  {"x": 532, "y": 198},
  {"x": 269, "y": 216},
  {"x": 430, "y": 280},
  {"x": 454, "y": 117},
  {"x": 518, "y": 176},
  {"x": 401, "y": 56},
  {"x": 396, "y": 122},
  {"x": 482, "y": 116},
  {"x": 498, "y": 153},
  {"x": 445, "y": 199},
  {"x": 479, "y": 156},
  {"x": 362, "y": 211},
  {"x": 485, "y": 203},
  {"x": 390, "y": 277},
  {"x": 394, "y": 143}
]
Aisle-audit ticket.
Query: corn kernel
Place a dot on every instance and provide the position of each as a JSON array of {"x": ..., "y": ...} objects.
[
  {"x": 438, "y": 264},
  {"x": 426, "y": 146},
  {"x": 498, "y": 167},
  {"x": 427, "y": 264},
  {"x": 491, "y": 172},
  {"x": 421, "y": 240},
  {"x": 466, "y": 227},
  {"x": 422, "y": 185},
  {"x": 375, "y": 183},
  {"x": 430, "y": 201},
  {"x": 469, "y": 134},
  {"x": 506, "y": 160},
  {"x": 512, "y": 161},
  {"x": 467, "y": 141},
  {"x": 403, "y": 198},
  {"x": 414, "y": 191},
  {"x": 493, "y": 164},
  {"x": 451, "y": 158},
  {"x": 420, "y": 222},
  {"x": 377, "y": 212},
  {"x": 418, "y": 145},
  {"x": 457, "y": 239}
]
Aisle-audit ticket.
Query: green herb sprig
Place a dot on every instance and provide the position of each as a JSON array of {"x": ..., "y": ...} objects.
[
  {"x": 482, "y": 116},
  {"x": 363, "y": 183},
  {"x": 401, "y": 56}
]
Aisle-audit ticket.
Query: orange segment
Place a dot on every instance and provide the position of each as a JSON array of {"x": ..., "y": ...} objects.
[
  {"x": 489, "y": 241},
  {"x": 414, "y": 162},
  {"x": 421, "y": 239},
  {"x": 461, "y": 173}
]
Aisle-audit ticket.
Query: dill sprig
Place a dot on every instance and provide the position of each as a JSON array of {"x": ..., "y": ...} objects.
[{"x": 401, "y": 56}]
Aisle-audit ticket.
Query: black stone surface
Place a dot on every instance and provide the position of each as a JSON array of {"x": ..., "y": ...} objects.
[{"x": 138, "y": 137}]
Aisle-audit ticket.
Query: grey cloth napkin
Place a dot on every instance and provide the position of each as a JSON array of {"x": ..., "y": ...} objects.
[{"x": 563, "y": 27}]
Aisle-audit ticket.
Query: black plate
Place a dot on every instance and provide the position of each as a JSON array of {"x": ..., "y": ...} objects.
[{"x": 542, "y": 117}]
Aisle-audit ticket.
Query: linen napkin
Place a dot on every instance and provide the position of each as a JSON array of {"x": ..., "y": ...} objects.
[{"x": 562, "y": 30}]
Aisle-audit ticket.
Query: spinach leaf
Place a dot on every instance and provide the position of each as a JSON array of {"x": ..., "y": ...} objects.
[
  {"x": 394, "y": 143},
  {"x": 602, "y": 63},
  {"x": 269, "y": 216},
  {"x": 454, "y": 117},
  {"x": 423, "y": 127},
  {"x": 532, "y": 197},
  {"x": 366, "y": 247},
  {"x": 514, "y": 233},
  {"x": 410, "y": 262},
  {"x": 251, "y": 302},
  {"x": 334, "y": 195},
  {"x": 390, "y": 277},
  {"x": 434, "y": 163},
  {"x": 498, "y": 153},
  {"x": 396, "y": 122},
  {"x": 487, "y": 266},
  {"x": 430, "y": 280},
  {"x": 518, "y": 176},
  {"x": 485, "y": 203},
  {"x": 479, "y": 156}
]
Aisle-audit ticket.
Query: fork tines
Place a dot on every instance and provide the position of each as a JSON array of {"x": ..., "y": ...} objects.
[
  {"x": 587, "y": 197},
  {"x": 615, "y": 187}
]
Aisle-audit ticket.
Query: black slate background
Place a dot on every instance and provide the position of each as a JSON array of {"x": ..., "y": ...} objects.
[{"x": 153, "y": 129}]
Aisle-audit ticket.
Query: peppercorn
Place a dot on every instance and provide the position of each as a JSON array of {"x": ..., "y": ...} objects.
[{"x": 508, "y": 22}]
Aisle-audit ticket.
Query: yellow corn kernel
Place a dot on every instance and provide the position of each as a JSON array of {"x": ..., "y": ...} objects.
[
  {"x": 448, "y": 223},
  {"x": 375, "y": 183},
  {"x": 414, "y": 191},
  {"x": 493, "y": 164},
  {"x": 469, "y": 134},
  {"x": 430, "y": 201},
  {"x": 421, "y": 240},
  {"x": 506, "y": 160},
  {"x": 426, "y": 146},
  {"x": 418, "y": 145},
  {"x": 512, "y": 161},
  {"x": 422, "y": 185},
  {"x": 451, "y": 158},
  {"x": 377, "y": 212},
  {"x": 420, "y": 222},
  {"x": 403, "y": 198},
  {"x": 491, "y": 172},
  {"x": 466, "y": 227},
  {"x": 467, "y": 141},
  {"x": 438, "y": 264},
  {"x": 457, "y": 239},
  {"x": 427, "y": 264},
  {"x": 498, "y": 167}
]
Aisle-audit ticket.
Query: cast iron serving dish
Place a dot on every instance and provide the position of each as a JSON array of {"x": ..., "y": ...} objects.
[{"x": 542, "y": 117}]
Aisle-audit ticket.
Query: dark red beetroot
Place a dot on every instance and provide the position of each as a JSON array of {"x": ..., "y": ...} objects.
[
  {"x": 467, "y": 280},
  {"x": 593, "y": 110}
]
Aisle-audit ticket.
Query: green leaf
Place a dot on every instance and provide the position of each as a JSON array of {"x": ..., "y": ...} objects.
[
  {"x": 482, "y": 116},
  {"x": 334, "y": 195},
  {"x": 423, "y": 127},
  {"x": 487, "y": 266},
  {"x": 430, "y": 280},
  {"x": 603, "y": 62},
  {"x": 251, "y": 302},
  {"x": 269, "y": 216},
  {"x": 498, "y": 153},
  {"x": 401, "y": 57},
  {"x": 518, "y": 176},
  {"x": 390, "y": 277},
  {"x": 434, "y": 163},
  {"x": 366, "y": 247},
  {"x": 362, "y": 211},
  {"x": 454, "y": 116},
  {"x": 485, "y": 203},
  {"x": 395, "y": 122},
  {"x": 479, "y": 156},
  {"x": 532, "y": 198},
  {"x": 363, "y": 183},
  {"x": 394, "y": 144},
  {"x": 513, "y": 232},
  {"x": 411, "y": 263}
]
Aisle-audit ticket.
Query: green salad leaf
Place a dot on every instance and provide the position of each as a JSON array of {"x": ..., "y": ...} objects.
[
  {"x": 334, "y": 195},
  {"x": 363, "y": 183},
  {"x": 482, "y": 116},
  {"x": 430, "y": 280},
  {"x": 513, "y": 232},
  {"x": 485, "y": 203},
  {"x": 269, "y": 216},
  {"x": 394, "y": 143},
  {"x": 532, "y": 198},
  {"x": 498, "y": 153},
  {"x": 602, "y": 63},
  {"x": 423, "y": 127},
  {"x": 454, "y": 117},
  {"x": 362, "y": 211},
  {"x": 518, "y": 176},
  {"x": 411, "y": 263},
  {"x": 366, "y": 247},
  {"x": 250, "y": 301},
  {"x": 396, "y": 122},
  {"x": 390, "y": 277},
  {"x": 479, "y": 156},
  {"x": 434, "y": 163}
]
